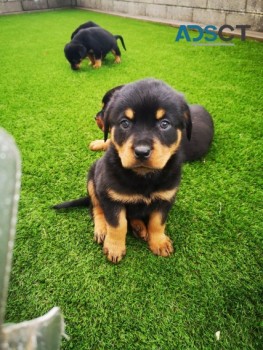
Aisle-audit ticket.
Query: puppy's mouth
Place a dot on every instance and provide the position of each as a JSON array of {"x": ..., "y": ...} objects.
[{"x": 142, "y": 168}]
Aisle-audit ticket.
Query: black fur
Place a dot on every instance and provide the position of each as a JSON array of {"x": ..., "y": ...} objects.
[
  {"x": 94, "y": 43},
  {"x": 85, "y": 25},
  {"x": 202, "y": 128}
]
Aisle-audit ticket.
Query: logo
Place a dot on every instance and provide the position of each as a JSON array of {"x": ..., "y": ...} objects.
[{"x": 210, "y": 34}]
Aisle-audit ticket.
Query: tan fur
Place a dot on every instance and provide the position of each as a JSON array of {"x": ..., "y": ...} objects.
[
  {"x": 159, "y": 243},
  {"x": 114, "y": 244},
  {"x": 160, "y": 113},
  {"x": 97, "y": 64},
  {"x": 99, "y": 145},
  {"x": 159, "y": 155},
  {"x": 129, "y": 113},
  {"x": 138, "y": 198},
  {"x": 100, "y": 228},
  {"x": 139, "y": 229}
]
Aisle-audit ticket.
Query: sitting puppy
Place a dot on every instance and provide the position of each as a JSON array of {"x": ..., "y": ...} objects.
[
  {"x": 193, "y": 149},
  {"x": 93, "y": 43},
  {"x": 86, "y": 25},
  {"x": 138, "y": 176}
]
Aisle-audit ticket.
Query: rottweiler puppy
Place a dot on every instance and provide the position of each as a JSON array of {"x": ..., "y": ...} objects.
[
  {"x": 138, "y": 177},
  {"x": 192, "y": 150},
  {"x": 85, "y": 25},
  {"x": 93, "y": 43}
]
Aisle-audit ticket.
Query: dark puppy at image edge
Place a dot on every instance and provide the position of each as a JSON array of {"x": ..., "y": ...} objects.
[
  {"x": 137, "y": 178},
  {"x": 193, "y": 149},
  {"x": 93, "y": 43}
]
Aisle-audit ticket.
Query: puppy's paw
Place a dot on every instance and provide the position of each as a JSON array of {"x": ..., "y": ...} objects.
[
  {"x": 161, "y": 245},
  {"x": 97, "y": 64},
  {"x": 100, "y": 231},
  {"x": 139, "y": 229},
  {"x": 99, "y": 236},
  {"x": 117, "y": 59},
  {"x": 114, "y": 250},
  {"x": 97, "y": 145}
]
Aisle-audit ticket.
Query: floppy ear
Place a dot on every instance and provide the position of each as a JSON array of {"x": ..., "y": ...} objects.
[
  {"x": 187, "y": 120},
  {"x": 106, "y": 120},
  {"x": 185, "y": 110},
  {"x": 106, "y": 129},
  {"x": 82, "y": 51},
  {"x": 109, "y": 100}
]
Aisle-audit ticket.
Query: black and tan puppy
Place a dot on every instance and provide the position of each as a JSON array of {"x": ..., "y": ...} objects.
[
  {"x": 138, "y": 177},
  {"x": 85, "y": 25},
  {"x": 193, "y": 149},
  {"x": 93, "y": 43}
]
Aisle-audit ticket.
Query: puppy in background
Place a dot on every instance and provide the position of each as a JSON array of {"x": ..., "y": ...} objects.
[
  {"x": 85, "y": 25},
  {"x": 93, "y": 43},
  {"x": 194, "y": 149}
]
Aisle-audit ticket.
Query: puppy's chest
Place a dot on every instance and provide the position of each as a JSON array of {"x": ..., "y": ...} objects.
[{"x": 142, "y": 198}]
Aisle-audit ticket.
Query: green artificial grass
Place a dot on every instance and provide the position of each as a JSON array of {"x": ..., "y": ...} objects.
[{"x": 213, "y": 281}]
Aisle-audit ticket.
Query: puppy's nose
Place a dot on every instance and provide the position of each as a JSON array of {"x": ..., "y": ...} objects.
[{"x": 142, "y": 152}]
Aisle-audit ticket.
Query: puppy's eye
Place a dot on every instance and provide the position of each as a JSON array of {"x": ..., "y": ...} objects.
[
  {"x": 164, "y": 124},
  {"x": 125, "y": 123}
]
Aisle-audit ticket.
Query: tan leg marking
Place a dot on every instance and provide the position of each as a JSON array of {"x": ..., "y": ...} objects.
[
  {"x": 139, "y": 229},
  {"x": 159, "y": 243},
  {"x": 100, "y": 228},
  {"x": 99, "y": 145},
  {"x": 97, "y": 64},
  {"x": 117, "y": 59},
  {"x": 114, "y": 244},
  {"x": 91, "y": 58}
]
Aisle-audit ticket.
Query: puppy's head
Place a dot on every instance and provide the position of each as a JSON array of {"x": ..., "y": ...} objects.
[
  {"x": 146, "y": 119},
  {"x": 105, "y": 101},
  {"x": 75, "y": 53}
]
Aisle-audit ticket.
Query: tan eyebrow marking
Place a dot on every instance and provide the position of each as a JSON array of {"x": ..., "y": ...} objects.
[
  {"x": 129, "y": 113},
  {"x": 160, "y": 113}
]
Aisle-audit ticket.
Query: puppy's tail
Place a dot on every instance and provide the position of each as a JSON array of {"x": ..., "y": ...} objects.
[
  {"x": 80, "y": 202},
  {"x": 121, "y": 39}
]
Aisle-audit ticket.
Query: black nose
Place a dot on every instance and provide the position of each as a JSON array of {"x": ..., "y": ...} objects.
[{"x": 142, "y": 152}]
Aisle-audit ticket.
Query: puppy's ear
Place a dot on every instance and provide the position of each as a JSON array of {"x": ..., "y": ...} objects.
[
  {"x": 188, "y": 121},
  {"x": 82, "y": 51},
  {"x": 106, "y": 120},
  {"x": 106, "y": 129},
  {"x": 109, "y": 105}
]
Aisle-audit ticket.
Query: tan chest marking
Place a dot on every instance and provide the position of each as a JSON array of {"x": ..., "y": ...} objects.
[{"x": 138, "y": 198}]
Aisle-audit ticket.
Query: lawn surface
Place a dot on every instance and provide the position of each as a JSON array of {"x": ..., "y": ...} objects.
[{"x": 213, "y": 282}]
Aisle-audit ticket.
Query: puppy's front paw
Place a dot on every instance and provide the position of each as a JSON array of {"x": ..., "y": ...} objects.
[
  {"x": 161, "y": 245},
  {"x": 114, "y": 250}
]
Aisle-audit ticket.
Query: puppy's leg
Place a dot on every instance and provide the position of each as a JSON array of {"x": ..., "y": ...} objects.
[
  {"x": 139, "y": 229},
  {"x": 159, "y": 243},
  {"x": 117, "y": 55},
  {"x": 114, "y": 244},
  {"x": 97, "y": 63},
  {"x": 91, "y": 58},
  {"x": 99, "y": 145},
  {"x": 100, "y": 228}
]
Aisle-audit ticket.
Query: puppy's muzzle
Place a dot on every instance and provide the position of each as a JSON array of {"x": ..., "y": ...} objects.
[
  {"x": 142, "y": 152},
  {"x": 75, "y": 66}
]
